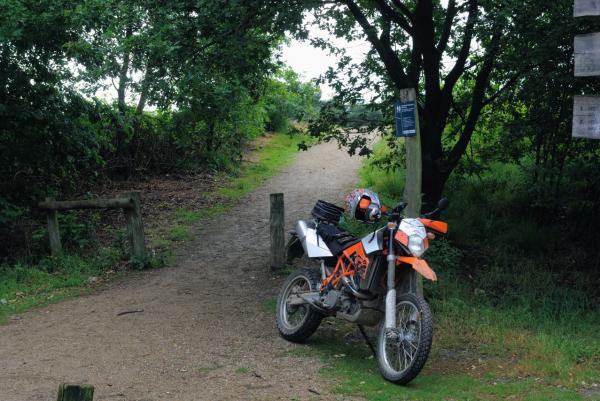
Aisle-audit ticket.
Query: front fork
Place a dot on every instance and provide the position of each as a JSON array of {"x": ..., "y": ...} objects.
[{"x": 390, "y": 297}]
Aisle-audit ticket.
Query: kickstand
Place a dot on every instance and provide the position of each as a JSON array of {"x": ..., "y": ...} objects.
[{"x": 362, "y": 331}]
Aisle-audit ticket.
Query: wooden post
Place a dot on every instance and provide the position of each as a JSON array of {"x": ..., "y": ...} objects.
[
  {"x": 276, "y": 230},
  {"x": 135, "y": 226},
  {"x": 75, "y": 392},
  {"x": 53, "y": 231},
  {"x": 412, "y": 186}
]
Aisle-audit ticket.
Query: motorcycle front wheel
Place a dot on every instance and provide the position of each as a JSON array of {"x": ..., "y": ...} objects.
[
  {"x": 402, "y": 352},
  {"x": 298, "y": 322}
]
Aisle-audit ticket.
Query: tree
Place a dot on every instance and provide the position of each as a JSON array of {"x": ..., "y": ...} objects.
[
  {"x": 162, "y": 53},
  {"x": 424, "y": 45},
  {"x": 287, "y": 98}
]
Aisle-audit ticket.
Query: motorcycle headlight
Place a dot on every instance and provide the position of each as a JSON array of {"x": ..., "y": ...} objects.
[{"x": 416, "y": 245}]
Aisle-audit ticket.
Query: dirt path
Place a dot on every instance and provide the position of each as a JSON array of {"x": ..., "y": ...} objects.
[{"x": 204, "y": 333}]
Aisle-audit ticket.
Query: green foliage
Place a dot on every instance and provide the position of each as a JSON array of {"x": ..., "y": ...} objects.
[
  {"x": 207, "y": 69},
  {"x": 288, "y": 99},
  {"x": 154, "y": 260}
]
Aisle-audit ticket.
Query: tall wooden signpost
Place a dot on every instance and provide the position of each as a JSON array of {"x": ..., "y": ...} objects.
[
  {"x": 407, "y": 126},
  {"x": 586, "y": 109}
]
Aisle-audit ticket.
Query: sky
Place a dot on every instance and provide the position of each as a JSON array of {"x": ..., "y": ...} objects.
[{"x": 311, "y": 62}]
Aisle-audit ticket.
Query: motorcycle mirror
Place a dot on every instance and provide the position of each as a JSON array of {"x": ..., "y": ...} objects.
[{"x": 442, "y": 204}]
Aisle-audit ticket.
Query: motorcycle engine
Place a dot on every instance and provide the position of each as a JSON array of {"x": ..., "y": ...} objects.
[
  {"x": 339, "y": 300},
  {"x": 331, "y": 299}
]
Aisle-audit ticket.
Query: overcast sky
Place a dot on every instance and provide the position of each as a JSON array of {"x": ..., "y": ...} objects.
[{"x": 311, "y": 62}]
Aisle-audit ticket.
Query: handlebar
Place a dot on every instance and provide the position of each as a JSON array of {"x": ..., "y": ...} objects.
[{"x": 441, "y": 206}]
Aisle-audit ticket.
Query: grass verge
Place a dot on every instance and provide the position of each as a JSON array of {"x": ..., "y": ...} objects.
[{"x": 23, "y": 287}]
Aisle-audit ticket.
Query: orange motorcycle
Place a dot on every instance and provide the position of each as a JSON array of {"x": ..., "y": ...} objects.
[{"x": 368, "y": 281}]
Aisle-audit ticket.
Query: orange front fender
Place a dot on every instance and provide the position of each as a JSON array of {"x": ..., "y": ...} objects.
[{"x": 419, "y": 265}]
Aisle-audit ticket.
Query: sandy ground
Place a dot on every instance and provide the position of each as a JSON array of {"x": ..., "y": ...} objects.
[{"x": 204, "y": 333}]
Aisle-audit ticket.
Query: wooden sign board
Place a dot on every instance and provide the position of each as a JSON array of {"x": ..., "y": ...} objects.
[
  {"x": 587, "y": 55},
  {"x": 585, "y": 8},
  {"x": 586, "y": 117}
]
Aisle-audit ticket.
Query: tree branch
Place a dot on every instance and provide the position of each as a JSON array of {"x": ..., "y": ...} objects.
[
  {"x": 463, "y": 54},
  {"x": 459, "y": 66},
  {"x": 451, "y": 12},
  {"x": 388, "y": 13},
  {"x": 385, "y": 33},
  {"x": 424, "y": 38},
  {"x": 477, "y": 103},
  {"x": 407, "y": 13},
  {"x": 386, "y": 53},
  {"x": 414, "y": 69},
  {"x": 507, "y": 85}
]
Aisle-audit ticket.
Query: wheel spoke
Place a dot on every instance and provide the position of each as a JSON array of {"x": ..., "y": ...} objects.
[
  {"x": 400, "y": 352},
  {"x": 293, "y": 316},
  {"x": 402, "y": 314},
  {"x": 403, "y": 365}
]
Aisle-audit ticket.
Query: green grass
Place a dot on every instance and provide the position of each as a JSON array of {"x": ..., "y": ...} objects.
[
  {"x": 270, "y": 304},
  {"x": 25, "y": 286},
  {"x": 357, "y": 374},
  {"x": 180, "y": 233},
  {"x": 55, "y": 278},
  {"x": 475, "y": 370},
  {"x": 506, "y": 325},
  {"x": 186, "y": 216}
]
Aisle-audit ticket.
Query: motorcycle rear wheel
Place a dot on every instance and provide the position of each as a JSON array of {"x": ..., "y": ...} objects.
[
  {"x": 402, "y": 353},
  {"x": 298, "y": 323}
]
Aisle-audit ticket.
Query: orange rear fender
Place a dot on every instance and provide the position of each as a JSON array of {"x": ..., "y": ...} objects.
[{"x": 420, "y": 265}]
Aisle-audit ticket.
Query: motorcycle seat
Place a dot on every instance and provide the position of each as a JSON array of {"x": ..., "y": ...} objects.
[{"x": 336, "y": 239}]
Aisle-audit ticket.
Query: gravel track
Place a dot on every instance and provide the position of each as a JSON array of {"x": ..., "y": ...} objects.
[{"x": 205, "y": 332}]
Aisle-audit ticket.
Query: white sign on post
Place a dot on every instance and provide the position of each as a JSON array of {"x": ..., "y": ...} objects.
[
  {"x": 584, "y": 8},
  {"x": 587, "y": 55},
  {"x": 586, "y": 117}
]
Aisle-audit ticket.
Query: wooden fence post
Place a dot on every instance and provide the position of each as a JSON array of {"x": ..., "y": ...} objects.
[
  {"x": 412, "y": 188},
  {"x": 53, "y": 231},
  {"x": 135, "y": 226},
  {"x": 75, "y": 392},
  {"x": 276, "y": 230}
]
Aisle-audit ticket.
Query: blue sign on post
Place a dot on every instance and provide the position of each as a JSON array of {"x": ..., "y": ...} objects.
[{"x": 406, "y": 118}]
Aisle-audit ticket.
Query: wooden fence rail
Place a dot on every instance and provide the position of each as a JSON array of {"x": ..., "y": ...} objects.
[{"x": 131, "y": 205}]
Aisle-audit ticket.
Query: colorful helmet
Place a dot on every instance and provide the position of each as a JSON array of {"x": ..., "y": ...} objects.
[{"x": 363, "y": 204}]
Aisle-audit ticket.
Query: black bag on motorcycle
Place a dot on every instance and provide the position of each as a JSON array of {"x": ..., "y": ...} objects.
[{"x": 335, "y": 239}]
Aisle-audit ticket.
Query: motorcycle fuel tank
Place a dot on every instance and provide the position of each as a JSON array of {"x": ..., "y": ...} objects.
[{"x": 373, "y": 242}]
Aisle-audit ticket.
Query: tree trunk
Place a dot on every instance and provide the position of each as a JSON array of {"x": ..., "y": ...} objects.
[
  {"x": 144, "y": 92},
  {"x": 121, "y": 139},
  {"x": 434, "y": 175},
  {"x": 433, "y": 183}
]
